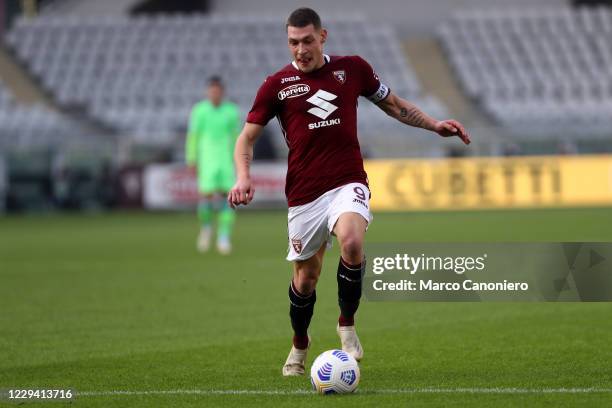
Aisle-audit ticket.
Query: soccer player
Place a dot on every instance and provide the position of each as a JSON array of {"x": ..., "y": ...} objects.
[
  {"x": 314, "y": 99},
  {"x": 213, "y": 128}
]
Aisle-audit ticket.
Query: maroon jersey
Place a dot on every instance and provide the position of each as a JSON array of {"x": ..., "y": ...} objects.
[{"x": 317, "y": 112}]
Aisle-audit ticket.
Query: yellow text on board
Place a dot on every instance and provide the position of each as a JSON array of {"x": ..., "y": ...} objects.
[{"x": 491, "y": 182}]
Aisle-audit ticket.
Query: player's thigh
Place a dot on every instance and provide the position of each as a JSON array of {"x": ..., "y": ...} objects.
[
  {"x": 208, "y": 181},
  {"x": 349, "y": 212},
  {"x": 306, "y": 273},
  {"x": 307, "y": 230},
  {"x": 226, "y": 179},
  {"x": 217, "y": 179},
  {"x": 350, "y": 226}
]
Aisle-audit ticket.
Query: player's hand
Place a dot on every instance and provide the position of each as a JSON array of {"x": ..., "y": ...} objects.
[
  {"x": 241, "y": 193},
  {"x": 448, "y": 128}
]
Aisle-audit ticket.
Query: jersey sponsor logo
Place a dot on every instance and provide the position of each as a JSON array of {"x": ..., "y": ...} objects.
[
  {"x": 290, "y": 79},
  {"x": 297, "y": 245},
  {"x": 324, "y": 123},
  {"x": 293, "y": 91},
  {"x": 321, "y": 99},
  {"x": 340, "y": 76}
]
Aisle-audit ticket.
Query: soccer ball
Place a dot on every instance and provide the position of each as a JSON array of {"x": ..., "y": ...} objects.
[{"x": 334, "y": 372}]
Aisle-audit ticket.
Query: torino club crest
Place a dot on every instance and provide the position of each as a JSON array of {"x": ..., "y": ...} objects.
[
  {"x": 340, "y": 76},
  {"x": 297, "y": 245}
]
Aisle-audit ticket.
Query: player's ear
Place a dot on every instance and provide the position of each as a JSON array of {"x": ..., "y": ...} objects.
[{"x": 323, "y": 35}]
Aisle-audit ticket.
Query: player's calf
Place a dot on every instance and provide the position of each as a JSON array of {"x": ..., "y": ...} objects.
[
  {"x": 205, "y": 210},
  {"x": 225, "y": 223},
  {"x": 301, "y": 308},
  {"x": 350, "y": 281}
]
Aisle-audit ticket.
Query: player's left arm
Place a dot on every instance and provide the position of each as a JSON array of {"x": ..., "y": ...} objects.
[
  {"x": 191, "y": 143},
  {"x": 410, "y": 114},
  {"x": 236, "y": 123}
]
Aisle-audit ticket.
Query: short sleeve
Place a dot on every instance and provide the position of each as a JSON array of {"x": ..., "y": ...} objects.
[
  {"x": 265, "y": 105},
  {"x": 371, "y": 86}
]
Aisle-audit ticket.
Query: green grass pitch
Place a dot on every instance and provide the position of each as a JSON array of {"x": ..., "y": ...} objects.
[{"x": 122, "y": 302}]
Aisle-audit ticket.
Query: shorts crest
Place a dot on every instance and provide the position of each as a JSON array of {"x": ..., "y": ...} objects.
[{"x": 297, "y": 245}]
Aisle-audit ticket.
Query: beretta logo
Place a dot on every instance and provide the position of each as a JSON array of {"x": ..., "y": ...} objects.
[{"x": 293, "y": 91}]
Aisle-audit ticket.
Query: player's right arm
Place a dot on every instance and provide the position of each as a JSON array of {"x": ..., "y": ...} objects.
[
  {"x": 402, "y": 110},
  {"x": 191, "y": 143},
  {"x": 264, "y": 108},
  {"x": 242, "y": 192}
]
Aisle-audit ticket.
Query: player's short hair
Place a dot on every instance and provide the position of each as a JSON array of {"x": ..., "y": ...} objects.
[
  {"x": 302, "y": 17},
  {"x": 215, "y": 80}
]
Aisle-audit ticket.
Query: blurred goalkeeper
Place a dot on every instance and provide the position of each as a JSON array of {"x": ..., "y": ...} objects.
[{"x": 213, "y": 129}]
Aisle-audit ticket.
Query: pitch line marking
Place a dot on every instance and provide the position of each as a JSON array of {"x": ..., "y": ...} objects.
[{"x": 496, "y": 390}]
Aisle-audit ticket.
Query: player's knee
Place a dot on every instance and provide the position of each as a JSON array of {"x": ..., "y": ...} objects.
[
  {"x": 351, "y": 248},
  {"x": 305, "y": 284},
  {"x": 305, "y": 278}
]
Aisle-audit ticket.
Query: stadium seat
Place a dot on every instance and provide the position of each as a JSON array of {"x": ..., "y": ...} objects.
[
  {"x": 142, "y": 75},
  {"x": 543, "y": 71},
  {"x": 35, "y": 126}
]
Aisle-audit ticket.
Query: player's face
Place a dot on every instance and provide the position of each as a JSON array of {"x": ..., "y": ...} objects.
[
  {"x": 215, "y": 94},
  {"x": 306, "y": 46}
]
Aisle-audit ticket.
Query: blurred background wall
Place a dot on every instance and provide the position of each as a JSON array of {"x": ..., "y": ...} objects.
[
  {"x": 408, "y": 17},
  {"x": 95, "y": 96}
]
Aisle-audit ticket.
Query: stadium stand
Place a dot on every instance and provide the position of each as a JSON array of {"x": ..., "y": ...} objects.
[
  {"x": 5, "y": 97},
  {"x": 141, "y": 75},
  {"x": 36, "y": 126},
  {"x": 539, "y": 72}
]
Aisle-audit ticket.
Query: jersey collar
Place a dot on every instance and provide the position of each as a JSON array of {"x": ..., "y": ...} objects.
[{"x": 326, "y": 59}]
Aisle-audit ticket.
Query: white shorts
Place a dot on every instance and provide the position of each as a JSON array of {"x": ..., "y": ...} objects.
[{"x": 311, "y": 225}]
